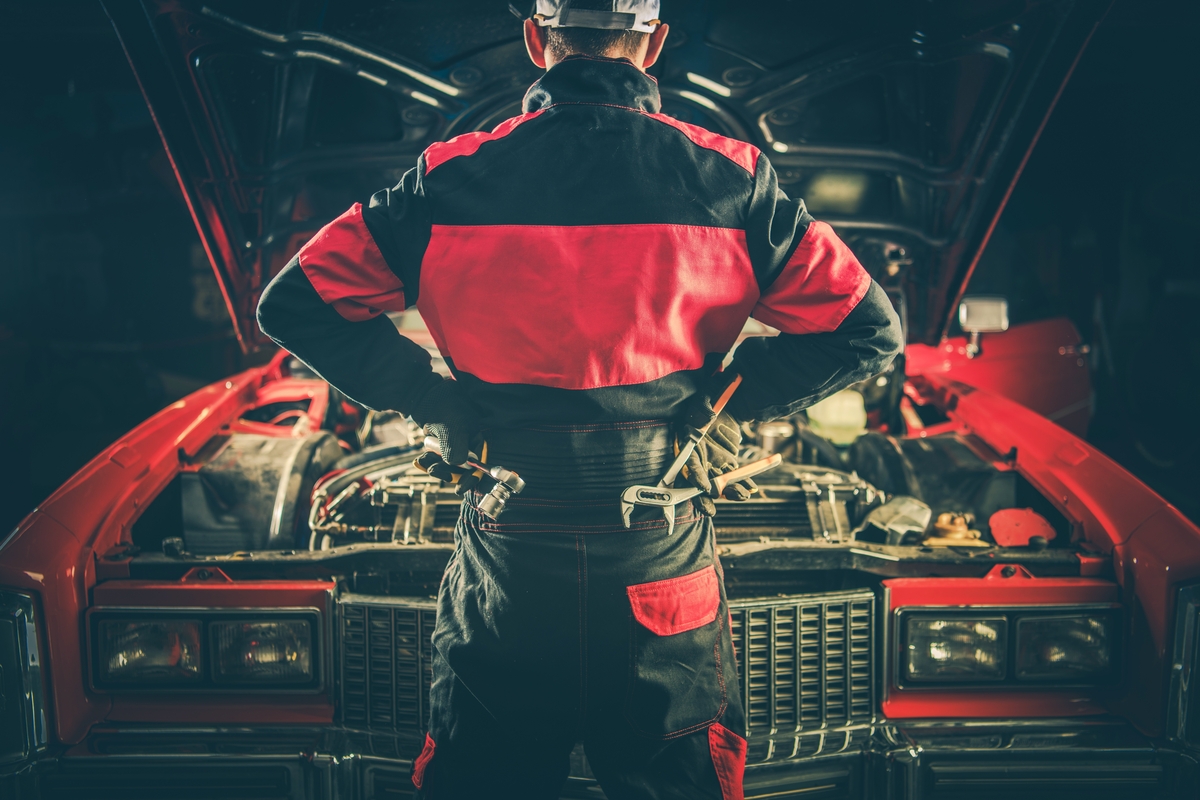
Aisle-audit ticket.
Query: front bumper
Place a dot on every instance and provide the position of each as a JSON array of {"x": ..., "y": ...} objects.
[{"x": 891, "y": 761}]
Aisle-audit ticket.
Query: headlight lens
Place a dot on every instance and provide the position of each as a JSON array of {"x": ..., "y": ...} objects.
[
  {"x": 968, "y": 649},
  {"x": 150, "y": 651},
  {"x": 1064, "y": 648},
  {"x": 263, "y": 652}
]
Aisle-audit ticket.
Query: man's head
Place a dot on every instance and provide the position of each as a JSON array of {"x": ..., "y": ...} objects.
[{"x": 606, "y": 28}]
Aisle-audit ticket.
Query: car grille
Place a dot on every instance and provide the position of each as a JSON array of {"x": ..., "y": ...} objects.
[
  {"x": 805, "y": 663},
  {"x": 386, "y": 662}
]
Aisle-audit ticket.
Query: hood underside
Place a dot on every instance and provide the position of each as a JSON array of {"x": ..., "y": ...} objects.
[{"x": 903, "y": 124}]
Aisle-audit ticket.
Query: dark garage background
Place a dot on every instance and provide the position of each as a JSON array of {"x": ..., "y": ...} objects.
[{"x": 108, "y": 309}]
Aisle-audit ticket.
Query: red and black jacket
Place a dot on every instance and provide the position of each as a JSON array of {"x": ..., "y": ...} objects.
[{"x": 591, "y": 260}]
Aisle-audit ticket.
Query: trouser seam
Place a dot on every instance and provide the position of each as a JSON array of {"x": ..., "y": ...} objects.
[{"x": 581, "y": 565}]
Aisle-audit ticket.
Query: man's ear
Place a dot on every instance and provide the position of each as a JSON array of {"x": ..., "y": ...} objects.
[
  {"x": 654, "y": 47},
  {"x": 535, "y": 43}
]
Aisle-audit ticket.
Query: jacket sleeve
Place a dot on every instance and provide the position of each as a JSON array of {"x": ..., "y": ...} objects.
[
  {"x": 327, "y": 305},
  {"x": 837, "y": 326}
]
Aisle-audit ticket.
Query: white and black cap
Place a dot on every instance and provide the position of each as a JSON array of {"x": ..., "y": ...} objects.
[{"x": 624, "y": 15}]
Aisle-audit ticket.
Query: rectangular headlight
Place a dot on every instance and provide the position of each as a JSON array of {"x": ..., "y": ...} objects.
[
  {"x": 967, "y": 649},
  {"x": 253, "y": 652},
  {"x": 207, "y": 650},
  {"x": 1067, "y": 648},
  {"x": 160, "y": 653}
]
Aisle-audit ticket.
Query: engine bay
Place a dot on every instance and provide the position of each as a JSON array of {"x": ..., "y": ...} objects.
[{"x": 351, "y": 484}]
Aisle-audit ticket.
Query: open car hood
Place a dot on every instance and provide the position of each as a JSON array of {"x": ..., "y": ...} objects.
[{"x": 903, "y": 124}]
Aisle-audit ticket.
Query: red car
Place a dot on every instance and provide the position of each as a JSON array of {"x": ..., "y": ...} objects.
[{"x": 944, "y": 592}]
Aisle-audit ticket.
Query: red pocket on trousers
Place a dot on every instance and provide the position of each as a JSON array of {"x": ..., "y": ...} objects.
[{"x": 676, "y": 605}]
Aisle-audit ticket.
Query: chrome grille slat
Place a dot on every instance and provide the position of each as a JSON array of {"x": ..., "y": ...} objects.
[
  {"x": 805, "y": 663},
  {"x": 385, "y": 663},
  {"x": 381, "y": 677}
]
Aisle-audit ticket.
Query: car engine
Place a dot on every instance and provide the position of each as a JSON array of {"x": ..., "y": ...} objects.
[{"x": 257, "y": 493}]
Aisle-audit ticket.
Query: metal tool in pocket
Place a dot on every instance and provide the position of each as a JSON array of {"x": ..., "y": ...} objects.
[
  {"x": 667, "y": 498},
  {"x": 663, "y": 496},
  {"x": 507, "y": 482}
]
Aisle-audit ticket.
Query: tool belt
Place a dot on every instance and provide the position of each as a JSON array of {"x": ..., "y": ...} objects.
[{"x": 583, "y": 462}]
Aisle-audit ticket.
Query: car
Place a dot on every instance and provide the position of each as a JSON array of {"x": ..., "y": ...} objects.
[{"x": 943, "y": 592}]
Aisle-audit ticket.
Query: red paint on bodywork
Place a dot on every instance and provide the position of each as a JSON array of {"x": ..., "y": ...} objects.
[
  {"x": 51, "y": 554},
  {"x": 1110, "y": 510},
  {"x": 1021, "y": 589},
  {"x": 994, "y": 705},
  {"x": 1103, "y": 501},
  {"x": 220, "y": 592},
  {"x": 214, "y": 593},
  {"x": 1037, "y": 364},
  {"x": 47, "y": 559},
  {"x": 316, "y": 392},
  {"x": 1014, "y": 527}
]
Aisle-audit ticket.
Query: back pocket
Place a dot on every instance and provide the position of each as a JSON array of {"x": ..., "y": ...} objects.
[{"x": 675, "y": 680}]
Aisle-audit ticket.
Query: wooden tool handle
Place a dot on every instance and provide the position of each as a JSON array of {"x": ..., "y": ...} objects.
[{"x": 746, "y": 471}]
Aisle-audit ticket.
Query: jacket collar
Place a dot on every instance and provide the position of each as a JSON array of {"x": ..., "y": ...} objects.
[{"x": 600, "y": 81}]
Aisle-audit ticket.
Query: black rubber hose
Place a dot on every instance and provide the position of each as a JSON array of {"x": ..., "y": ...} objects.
[
  {"x": 379, "y": 451},
  {"x": 831, "y": 455}
]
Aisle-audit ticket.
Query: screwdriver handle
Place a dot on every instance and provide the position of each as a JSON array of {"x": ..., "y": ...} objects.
[
  {"x": 721, "y": 401},
  {"x": 696, "y": 434}
]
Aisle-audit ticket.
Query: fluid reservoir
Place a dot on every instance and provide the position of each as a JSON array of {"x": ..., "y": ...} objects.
[{"x": 841, "y": 418}]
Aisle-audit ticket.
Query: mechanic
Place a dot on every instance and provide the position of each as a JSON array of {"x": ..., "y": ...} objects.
[{"x": 584, "y": 269}]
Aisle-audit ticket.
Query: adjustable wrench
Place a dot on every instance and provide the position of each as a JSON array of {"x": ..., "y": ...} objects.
[
  {"x": 667, "y": 498},
  {"x": 661, "y": 496}
]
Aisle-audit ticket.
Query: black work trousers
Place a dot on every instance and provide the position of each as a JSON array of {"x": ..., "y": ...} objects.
[{"x": 556, "y": 625}]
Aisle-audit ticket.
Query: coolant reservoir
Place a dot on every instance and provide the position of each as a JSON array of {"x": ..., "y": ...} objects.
[{"x": 841, "y": 418}]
